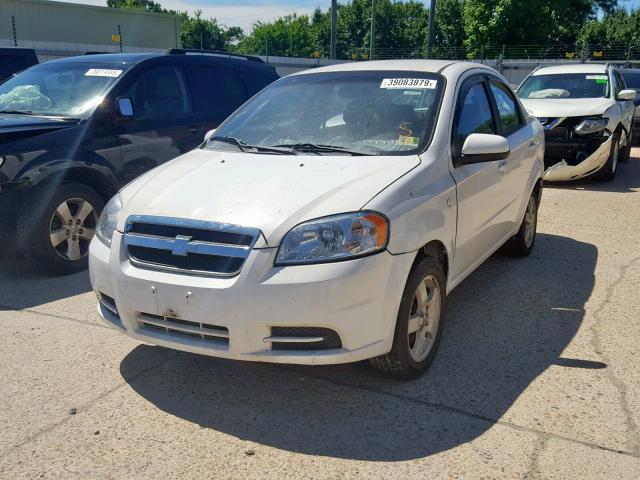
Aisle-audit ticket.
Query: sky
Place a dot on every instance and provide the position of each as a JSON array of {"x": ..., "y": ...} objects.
[{"x": 245, "y": 13}]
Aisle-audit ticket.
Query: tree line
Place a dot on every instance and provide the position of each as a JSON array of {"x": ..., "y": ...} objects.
[{"x": 463, "y": 29}]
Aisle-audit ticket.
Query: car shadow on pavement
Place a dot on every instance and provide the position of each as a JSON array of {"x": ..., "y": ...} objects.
[
  {"x": 505, "y": 325},
  {"x": 21, "y": 288}
]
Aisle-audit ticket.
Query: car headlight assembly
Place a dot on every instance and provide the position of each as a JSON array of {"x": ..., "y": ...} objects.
[
  {"x": 591, "y": 125},
  {"x": 108, "y": 220},
  {"x": 334, "y": 238}
]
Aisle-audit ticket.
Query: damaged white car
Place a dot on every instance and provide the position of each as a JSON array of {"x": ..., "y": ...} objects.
[{"x": 586, "y": 112}]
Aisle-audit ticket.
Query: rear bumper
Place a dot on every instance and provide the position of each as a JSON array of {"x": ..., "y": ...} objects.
[{"x": 357, "y": 299}]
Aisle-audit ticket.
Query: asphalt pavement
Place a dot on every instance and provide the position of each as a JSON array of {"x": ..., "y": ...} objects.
[{"x": 537, "y": 377}]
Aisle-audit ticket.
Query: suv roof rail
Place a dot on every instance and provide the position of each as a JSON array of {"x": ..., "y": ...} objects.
[
  {"x": 95, "y": 53},
  {"x": 220, "y": 53}
]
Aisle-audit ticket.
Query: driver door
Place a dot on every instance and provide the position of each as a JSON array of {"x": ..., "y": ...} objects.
[{"x": 483, "y": 219}]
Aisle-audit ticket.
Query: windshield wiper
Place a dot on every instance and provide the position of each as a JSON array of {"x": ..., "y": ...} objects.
[
  {"x": 319, "y": 148},
  {"x": 245, "y": 147},
  {"x": 17, "y": 112}
]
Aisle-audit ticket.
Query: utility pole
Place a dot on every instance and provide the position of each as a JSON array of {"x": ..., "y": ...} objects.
[
  {"x": 334, "y": 21},
  {"x": 373, "y": 29},
  {"x": 432, "y": 19}
]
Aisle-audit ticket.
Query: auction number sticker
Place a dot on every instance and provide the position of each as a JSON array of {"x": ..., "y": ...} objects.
[
  {"x": 102, "y": 72},
  {"x": 597, "y": 77},
  {"x": 408, "y": 83}
]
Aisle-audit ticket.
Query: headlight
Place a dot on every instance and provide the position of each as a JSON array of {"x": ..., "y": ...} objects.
[
  {"x": 108, "y": 219},
  {"x": 334, "y": 238},
  {"x": 591, "y": 125}
]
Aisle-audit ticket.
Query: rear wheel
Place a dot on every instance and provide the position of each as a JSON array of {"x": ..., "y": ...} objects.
[
  {"x": 419, "y": 323},
  {"x": 55, "y": 228},
  {"x": 521, "y": 244},
  {"x": 608, "y": 172}
]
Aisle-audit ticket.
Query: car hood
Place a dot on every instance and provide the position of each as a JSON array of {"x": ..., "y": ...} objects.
[
  {"x": 14, "y": 127},
  {"x": 270, "y": 192},
  {"x": 567, "y": 107}
]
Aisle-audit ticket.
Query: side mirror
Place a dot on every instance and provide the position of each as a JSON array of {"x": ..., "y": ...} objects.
[
  {"x": 209, "y": 134},
  {"x": 125, "y": 107},
  {"x": 483, "y": 147},
  {"x": 627, "y": 94}
]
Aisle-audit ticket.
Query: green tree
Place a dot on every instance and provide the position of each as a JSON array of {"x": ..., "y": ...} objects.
[
  {"x": 198, "y": 32},
  {"x": 143, "y": 5}
]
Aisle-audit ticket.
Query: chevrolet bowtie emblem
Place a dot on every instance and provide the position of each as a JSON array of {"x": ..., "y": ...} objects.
[{"x": 180, "y": 245}]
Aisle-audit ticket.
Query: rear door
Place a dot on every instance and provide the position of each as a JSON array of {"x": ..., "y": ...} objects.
[
  {"x": 218, "y": 92},
  {"x": 483, "y": 221},
  {"x": 520, "y": 135}
]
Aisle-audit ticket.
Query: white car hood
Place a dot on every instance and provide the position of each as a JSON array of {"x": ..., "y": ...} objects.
[
  {"x": 270, "y": 192},
  {"x": 567, "y": 107}
]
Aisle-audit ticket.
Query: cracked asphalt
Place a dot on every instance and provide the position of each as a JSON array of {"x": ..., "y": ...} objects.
[{"x": 537, "y": 377}]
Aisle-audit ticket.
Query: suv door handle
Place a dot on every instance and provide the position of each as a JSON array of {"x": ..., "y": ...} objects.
[
  {"x": 533, "y": 144},
  {"x": 502, "y": 166},
  {"x": 194, "y": 129}
]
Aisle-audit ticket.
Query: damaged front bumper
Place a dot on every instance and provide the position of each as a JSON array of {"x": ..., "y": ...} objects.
[
  {"x": 559, "y": 171},
  {"x": 570, "y": 154}
]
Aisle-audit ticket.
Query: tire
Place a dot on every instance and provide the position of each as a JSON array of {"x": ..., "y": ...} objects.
[
  {"x": 521, "y": 244},
  {"x": 608, "y": 171},
  {"x": 405, "y": 360},
  {"x": 44, "y": 222},
  {"x": 626, "y": 151}
]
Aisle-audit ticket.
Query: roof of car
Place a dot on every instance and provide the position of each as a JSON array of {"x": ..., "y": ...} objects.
[
  {"x": 572, "y": 68},
  {"x": 428, "y": 66},
  {"x": 134, "y": 58}
]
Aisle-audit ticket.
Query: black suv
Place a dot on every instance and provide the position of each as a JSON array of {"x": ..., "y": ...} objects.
[
  {"x": 14, "y": 60},
  {"x": 73, "y": 131}
]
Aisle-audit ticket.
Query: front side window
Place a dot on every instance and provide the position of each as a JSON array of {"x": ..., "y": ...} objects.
[
  {"x": 507, "y": 109},
  {"x": 566, "y": 85},
  {"x": 59, "y": 89},
  {"x": 632, "y": 79},
  {"x": 220, "y": 89},
  {"x": 474, "y": 116},
  {"x": 159, "y": 92},
  {"x": 364, "y": 112}
]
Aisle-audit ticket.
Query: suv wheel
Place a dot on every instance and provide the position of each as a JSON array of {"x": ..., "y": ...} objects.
[
  {"x": 626, "y": 151},
  {"x": 419, "y": 323},
  {"x": 54, "y": 235},
  {"x": 608, "y": 171}
]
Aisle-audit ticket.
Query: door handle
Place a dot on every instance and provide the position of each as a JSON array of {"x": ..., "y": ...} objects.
[
  {"x": 502, "y": 166},
  {"x": 532, "y": 145},
  {"x": 194, "y": 129}
]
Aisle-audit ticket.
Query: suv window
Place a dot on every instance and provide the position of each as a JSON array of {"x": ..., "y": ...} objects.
[
  {"x": 159, "y": 92},
  {"x": 220, "y": 90},
  {"x": 473, "y": 116},
  {"x": 508, "y": 110}
]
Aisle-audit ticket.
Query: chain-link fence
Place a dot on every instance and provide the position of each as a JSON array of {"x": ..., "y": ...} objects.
[{"x": 580, "y": 52}]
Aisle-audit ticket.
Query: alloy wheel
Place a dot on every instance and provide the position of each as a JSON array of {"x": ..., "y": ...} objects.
[
  {"x": 530, "y": 217},
  {"x": 72, "y": 227},
  {"x": 424, "y": 318}
]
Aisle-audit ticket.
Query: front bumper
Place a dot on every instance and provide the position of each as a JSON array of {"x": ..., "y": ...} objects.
[
  {"x": 563, "y": 171},
  {"x": 357, "y": 299}
]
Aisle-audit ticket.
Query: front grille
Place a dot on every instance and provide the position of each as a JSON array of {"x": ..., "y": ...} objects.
[
  {"x": 183, "y": 328},
  {"x": 193, "y": 246},
  {"x": 293, "y": 338}
]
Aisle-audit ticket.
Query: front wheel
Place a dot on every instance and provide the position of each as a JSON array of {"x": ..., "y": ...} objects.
[
  {"x": 56, "y": 226},
  {"x": 419, "y": 323},
  {"x": 608, "y": 171}
]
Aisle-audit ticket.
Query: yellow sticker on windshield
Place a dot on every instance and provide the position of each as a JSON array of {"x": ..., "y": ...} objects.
[{"x": 405, "y": 140}]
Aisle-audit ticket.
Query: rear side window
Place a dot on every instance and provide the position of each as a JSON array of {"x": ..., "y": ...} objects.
[
  {"x": 474, "y": 116},
  {"x": 508, "y": 110},
  {"x": 220, "y": 90}
]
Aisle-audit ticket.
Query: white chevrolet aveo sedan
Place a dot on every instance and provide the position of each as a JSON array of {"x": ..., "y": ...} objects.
[{"x": 327, "y": 219}]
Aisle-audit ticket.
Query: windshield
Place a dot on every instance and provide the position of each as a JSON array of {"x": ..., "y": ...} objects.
[
  {"x": 59, "y": 89},
  {"x": 566, "y": 85},
  {"x": 632, "y": 79},
  {"x": 358, "y": 112}
]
